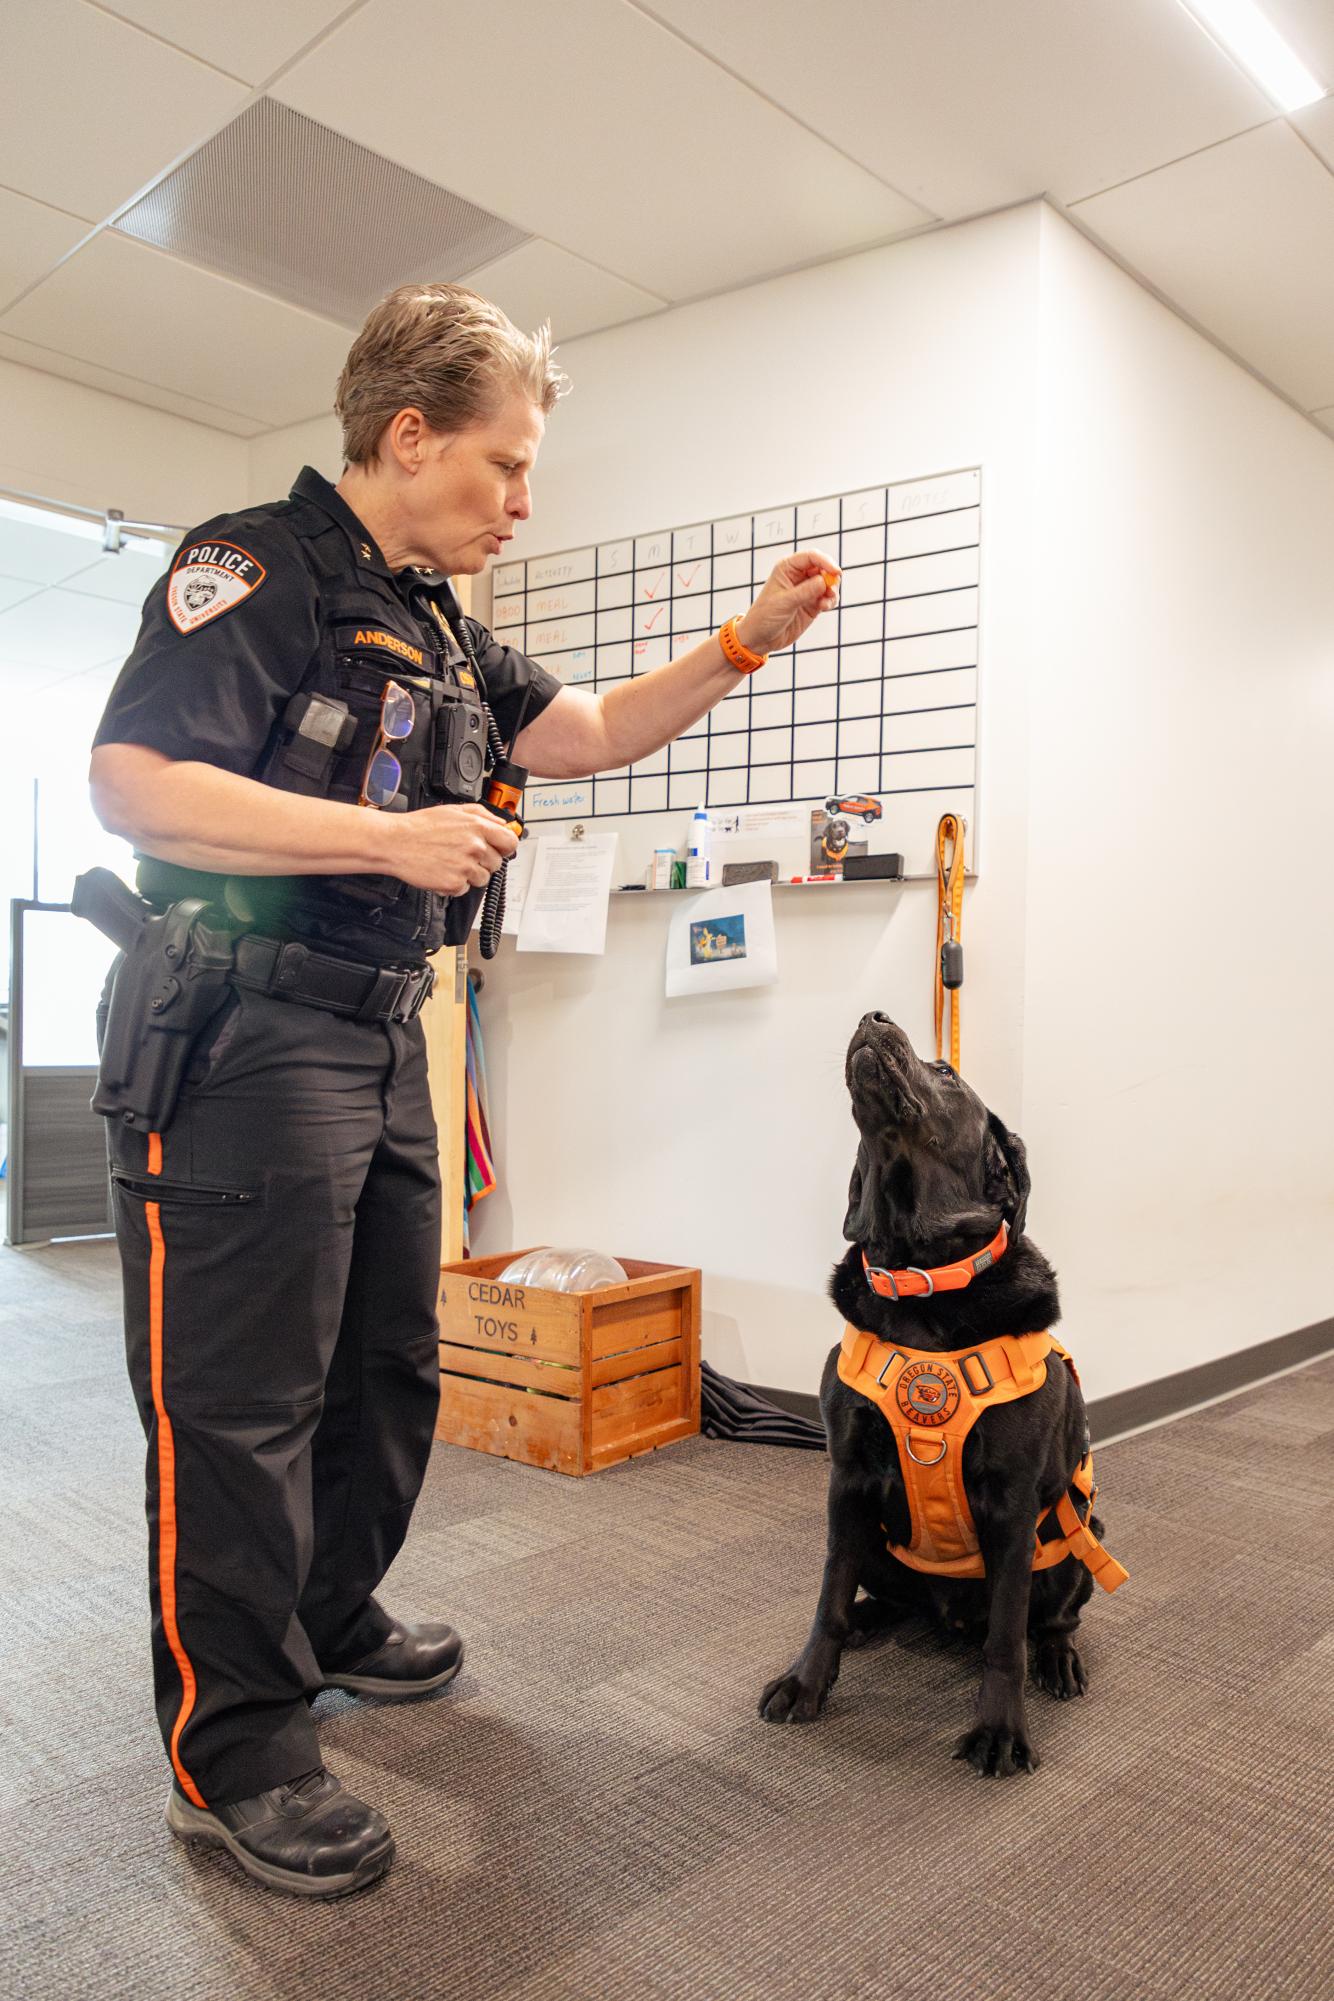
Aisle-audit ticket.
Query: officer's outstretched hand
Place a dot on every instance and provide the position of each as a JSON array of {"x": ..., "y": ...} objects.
[
  {"x": 797, "y": 591},
  {"x": 450, "y": 849}
]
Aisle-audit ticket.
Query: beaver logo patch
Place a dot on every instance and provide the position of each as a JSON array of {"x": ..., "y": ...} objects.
[
  {"x": 927, "y": 1393},
  {"x": 207, "y": 579}
]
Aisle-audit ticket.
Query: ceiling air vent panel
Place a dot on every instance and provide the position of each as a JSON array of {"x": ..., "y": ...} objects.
[{"x": 284, "y": 204}]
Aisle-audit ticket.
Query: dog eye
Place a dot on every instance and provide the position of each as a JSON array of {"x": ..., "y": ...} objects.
[{"x": 948, "y": 1070}]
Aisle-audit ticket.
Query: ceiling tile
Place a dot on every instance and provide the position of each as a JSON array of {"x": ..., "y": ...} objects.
[
  {"x": 125, "y": 577},
  {"x": 13, "y": 590},
  {"x": 152, "y": 318},
  {"x": 592, "y": 126},
  {"x": 247, "y": 38},
  {"x": 50, "y": 362},
  {"x": 91, "y": 110},
  {"x": 967, "y": 106},
  {"x": 58, "y": 630},
  {"x": 33, "y": 237},
  {"x": 39, "y": 550},
  {"x": 1325, "y": 419},
  {"x": 1242, "y": 239},
  {"x": 1307, "y": 26},
  {"x": 1316, "y": 125},
  {"x": 21, "y": 680},
  {"x": 537, "y": 282},
  {"x": 268, "y": 200}
]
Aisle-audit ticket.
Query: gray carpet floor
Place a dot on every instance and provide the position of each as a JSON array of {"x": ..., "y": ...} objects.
[{"x": 593, "y": 1811}]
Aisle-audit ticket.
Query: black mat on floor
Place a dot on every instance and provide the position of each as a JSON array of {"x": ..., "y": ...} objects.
[{"x": 732, "y": 1411}]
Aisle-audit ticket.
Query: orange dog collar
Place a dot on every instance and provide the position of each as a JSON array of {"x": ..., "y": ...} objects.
[{"x": 915, "y": 1283}]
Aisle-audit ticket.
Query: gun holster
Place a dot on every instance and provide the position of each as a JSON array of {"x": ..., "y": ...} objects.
[{"x": 170, "y": 982}]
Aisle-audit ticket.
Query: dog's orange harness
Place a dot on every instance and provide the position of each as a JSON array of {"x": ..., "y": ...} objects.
[{"x": 931, "y": 1402}]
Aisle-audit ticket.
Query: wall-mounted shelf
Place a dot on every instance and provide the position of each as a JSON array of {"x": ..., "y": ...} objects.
[{"x": 866, "y": 882}]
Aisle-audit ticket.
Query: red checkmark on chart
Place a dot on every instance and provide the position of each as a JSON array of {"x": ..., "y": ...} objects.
[
  {"x": 686, "y": 581},
  {"x": 649, "y": 623},
  {"x": 652, "y": 593}
]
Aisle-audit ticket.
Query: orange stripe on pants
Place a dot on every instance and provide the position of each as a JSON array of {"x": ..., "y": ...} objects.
[{"x": 166, "y": 1480}]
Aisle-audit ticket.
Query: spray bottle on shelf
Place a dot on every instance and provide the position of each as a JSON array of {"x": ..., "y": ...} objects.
[{"x": 699, "y": 868}]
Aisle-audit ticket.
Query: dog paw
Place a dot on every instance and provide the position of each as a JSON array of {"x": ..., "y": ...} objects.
[
  {"x": 1058, "y": 1669},
  {"x": 791, "y": 1700},
  {"x": 995, "y": 1751}
]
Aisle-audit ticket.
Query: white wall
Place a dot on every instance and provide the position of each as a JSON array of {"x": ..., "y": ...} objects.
[
  {"x": 1149, "y": 968},
  {"x": 276, "y": 460},
  {"x": 1158, "y": 606},
  {"x": 1178, "y": 1067},
  {"x": 718, "y": 1133},
  {"x": 61, "y": 441}
]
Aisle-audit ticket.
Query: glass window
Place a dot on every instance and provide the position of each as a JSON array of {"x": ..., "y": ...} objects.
[{"x": 69, "y": 613}]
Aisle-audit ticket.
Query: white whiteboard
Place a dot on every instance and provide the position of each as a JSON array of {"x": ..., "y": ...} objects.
[{"x": 879, "y": 698}]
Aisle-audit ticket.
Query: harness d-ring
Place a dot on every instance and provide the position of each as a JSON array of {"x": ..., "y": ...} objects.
[{"x": 943, "y": 1443}]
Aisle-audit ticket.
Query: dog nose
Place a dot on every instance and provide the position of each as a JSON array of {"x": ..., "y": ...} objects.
[{"x": 879, "y": 1019}]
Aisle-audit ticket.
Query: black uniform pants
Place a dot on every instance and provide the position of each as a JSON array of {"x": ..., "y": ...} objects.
[{"x": 280, "y": 1247}]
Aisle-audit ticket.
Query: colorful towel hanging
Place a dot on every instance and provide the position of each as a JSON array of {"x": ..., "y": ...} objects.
[{"x": 480, "y": 1177}]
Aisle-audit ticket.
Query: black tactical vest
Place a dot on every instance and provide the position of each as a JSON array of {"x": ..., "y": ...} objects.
[{"x": 322, "y": 743}]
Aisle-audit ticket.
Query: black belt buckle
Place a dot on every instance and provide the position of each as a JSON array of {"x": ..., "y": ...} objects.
[
  {"x": 423, "y": 978},
  {"x": 382, "y": 997},
  {"x": 397, "y": 993}
]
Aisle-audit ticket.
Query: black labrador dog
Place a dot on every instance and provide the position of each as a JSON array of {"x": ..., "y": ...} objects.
[{"x": 936, "y": 1172}]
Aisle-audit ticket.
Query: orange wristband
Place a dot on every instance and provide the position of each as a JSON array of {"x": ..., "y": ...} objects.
[{"x": 738, "y": 655}]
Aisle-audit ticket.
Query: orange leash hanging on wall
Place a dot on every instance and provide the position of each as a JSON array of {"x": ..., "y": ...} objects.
[{"x": 949, "y": 929}]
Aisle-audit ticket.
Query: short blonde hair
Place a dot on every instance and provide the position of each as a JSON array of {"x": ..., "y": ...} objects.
[{"x": 445, "y": 351}]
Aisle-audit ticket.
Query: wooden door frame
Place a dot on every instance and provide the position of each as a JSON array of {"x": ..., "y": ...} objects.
[{"x": 445, "y": 1020}]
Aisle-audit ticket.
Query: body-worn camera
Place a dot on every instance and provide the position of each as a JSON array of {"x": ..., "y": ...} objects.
[{"x": 458, "y": 751}]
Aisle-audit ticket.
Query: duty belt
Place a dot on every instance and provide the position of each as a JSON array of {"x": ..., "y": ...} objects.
[{"x": 342, "y": 986}]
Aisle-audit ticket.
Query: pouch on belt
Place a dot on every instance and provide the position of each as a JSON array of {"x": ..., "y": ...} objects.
[{"x": 170, "y": 982}]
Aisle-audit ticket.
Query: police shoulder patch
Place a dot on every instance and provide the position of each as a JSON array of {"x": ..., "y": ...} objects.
[{"x": 209, "y": 578}]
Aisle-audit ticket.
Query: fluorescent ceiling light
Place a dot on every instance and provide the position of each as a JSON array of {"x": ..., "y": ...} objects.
[{"x": 1239, "y": 27}]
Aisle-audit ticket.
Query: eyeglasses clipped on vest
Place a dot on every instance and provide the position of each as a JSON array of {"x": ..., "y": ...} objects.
[{"x": 384, "y": 773}]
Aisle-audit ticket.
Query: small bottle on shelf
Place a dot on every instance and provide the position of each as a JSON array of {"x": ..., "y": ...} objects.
[{"x": 698, "y": 864}]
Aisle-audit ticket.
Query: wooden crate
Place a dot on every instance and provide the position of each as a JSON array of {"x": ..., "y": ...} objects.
[{"x": 570, "y": 1380}]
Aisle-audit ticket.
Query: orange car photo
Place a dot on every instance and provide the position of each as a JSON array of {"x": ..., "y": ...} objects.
[{"x": 868, "y": 809}]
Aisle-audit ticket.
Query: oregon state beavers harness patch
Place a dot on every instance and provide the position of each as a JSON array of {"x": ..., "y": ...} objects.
[{"x": 931, "y": 1402}]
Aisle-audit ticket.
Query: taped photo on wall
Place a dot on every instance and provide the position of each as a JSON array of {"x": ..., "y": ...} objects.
[{"x": 722, "y": 940}]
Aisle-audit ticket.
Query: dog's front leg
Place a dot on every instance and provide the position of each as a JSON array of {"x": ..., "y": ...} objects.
[
  {"x": 799, "y": 1695},
  {"x": 999, "y": 1742}
]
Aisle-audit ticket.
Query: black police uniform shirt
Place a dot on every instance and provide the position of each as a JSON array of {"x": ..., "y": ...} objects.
[{"x": 234, "y": 631}]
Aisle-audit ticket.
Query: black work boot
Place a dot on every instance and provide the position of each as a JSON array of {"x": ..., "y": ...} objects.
[
  {"x": 307, "y": 1837},
  {"x": 412, "y": 1661}
]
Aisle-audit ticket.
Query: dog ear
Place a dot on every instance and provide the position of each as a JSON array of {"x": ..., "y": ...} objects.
[
  {"x": 1010, "y": 1184},
  {"x": 859, "y": 1221}
]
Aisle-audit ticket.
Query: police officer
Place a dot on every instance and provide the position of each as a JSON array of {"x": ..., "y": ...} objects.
[{"x": 295, "y": 748}]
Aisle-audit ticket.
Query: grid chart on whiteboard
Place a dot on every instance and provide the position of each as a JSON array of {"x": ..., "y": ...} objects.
[{"x": 879, "y": 697}]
